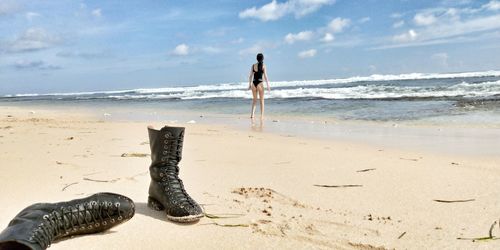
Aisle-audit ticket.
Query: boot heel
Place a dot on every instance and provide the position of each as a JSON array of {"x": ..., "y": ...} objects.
[{"x": 154, "y": 204}]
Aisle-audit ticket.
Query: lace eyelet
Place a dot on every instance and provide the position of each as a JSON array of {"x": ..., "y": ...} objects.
[
  {"x": 120, "y": 218},
  {"x": 117, "y": 204},
  {"x": 161, "y": 174},
  {"x": 46, "y": 216},
  {"x": 104, "y": 223},
  {"x": 112, "y": 220}
]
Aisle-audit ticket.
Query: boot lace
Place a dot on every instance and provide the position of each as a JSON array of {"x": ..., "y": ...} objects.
[
  {"x": 75, "y": 219},
  {"x": 172, "y": 155},
  {"x": 172, "y": 148}
]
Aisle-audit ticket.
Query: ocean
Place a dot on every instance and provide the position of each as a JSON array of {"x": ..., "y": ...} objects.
[{"x": 472, "y": 97}]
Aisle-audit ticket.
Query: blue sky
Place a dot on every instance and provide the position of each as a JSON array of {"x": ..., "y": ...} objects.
[{"x": 65, "y": 46}]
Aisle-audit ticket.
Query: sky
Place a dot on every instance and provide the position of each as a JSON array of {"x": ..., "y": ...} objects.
[{"x": 70, "y": 46}]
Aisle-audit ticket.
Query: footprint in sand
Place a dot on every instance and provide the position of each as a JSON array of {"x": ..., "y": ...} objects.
[{"x": 278, "y": 215}]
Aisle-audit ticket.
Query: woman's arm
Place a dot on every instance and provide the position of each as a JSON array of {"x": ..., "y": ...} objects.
[
  {"x": 265, "y": 78},
  {"x": 250, "y": 78}
]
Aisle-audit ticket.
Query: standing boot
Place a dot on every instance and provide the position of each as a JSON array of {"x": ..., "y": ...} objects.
[
  {"x": 38, "y": 225},
  {"x": 166, "y": 191}
]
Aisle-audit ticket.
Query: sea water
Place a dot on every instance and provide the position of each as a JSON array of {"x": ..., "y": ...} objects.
[{"x": 472, "y": 97}]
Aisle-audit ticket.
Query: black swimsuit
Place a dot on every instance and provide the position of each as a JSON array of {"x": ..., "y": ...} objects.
[{"x": 257, "y": 76}]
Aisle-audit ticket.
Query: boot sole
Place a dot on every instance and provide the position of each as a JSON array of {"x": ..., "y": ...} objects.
[{"x": 156, "y": 205}]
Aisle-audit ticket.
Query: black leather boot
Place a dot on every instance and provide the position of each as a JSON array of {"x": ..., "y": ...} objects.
[
  {"x": 166, "y": 191},
  {"x": 38, "y": 225}
]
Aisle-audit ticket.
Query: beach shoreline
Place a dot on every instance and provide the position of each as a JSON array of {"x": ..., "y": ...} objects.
[{"x": 385, "y": 196}]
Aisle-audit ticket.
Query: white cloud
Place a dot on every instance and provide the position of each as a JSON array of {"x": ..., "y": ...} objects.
[
  {"x": 97, "y": 13},
  {"x": 276, "y": 10},
  {"x": 36, "y": 65},
  {"x": 212, "y": 50},
  {"x": 398, "y": 24},
  {"x": 372, "y": 68},
  {"x": 84, "y": 55},
  {"x": 301, "y": 36},
  {"x": 180, "y": 50},
  {"x": 396, "y": 15},
  {"x": 239, "y": 40},
  {"x": 441, "y": 59},
  {"x": 307, "y": 53},
  {"x": 328, "y": 38},
  {"x": 32, "y": 39},
  {"x": 364, "y": 20},
  {"x": 492, "y": 5},
  {"x": 338, "y": 24},
  {"x": 424, "y": 19},
  {"x": 257, "y": 48},
  {"x": 31, "y": 15},
  {"x": 408, "y": 36},
  {"x": 8, "y": 7}
]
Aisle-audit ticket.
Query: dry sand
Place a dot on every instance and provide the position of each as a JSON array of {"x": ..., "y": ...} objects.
[{"x": 266, "y": 182}]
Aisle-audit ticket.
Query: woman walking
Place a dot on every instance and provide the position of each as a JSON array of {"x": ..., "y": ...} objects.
[{"x": 258, "y": 73}]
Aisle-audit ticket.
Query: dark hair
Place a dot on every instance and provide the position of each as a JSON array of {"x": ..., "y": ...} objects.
[{"x": 260, "y": 59}]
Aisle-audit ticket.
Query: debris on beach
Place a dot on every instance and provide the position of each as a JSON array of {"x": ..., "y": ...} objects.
[
  {"x": 191, "y": 122},
  {"x": 401, "y": 235},
  {"x": 276, "y": 120},
  {"x": 70, "y": 138},
  {"x": 94, "y": 180},
  {"x": 68, "y": 185},
  {"x": 227, "y": 225},
  {"x": 408, "y": 159},
  {"x": 7, "y": 127},
  {"x": 454, "y": 163},
  {"x": 487, "y": 238},
  {"x": 338, "y": 186},
  {"x": 366, "y": 170},
  {"x": 134, "y": 155},
  {"x": 106, "y": 114},
  {"x": 454, "y": 201}
]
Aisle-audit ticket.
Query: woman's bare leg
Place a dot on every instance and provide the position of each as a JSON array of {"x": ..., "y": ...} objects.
[
  {"x": 254, "y": 101},
  {"x": 261, "y": 98}
]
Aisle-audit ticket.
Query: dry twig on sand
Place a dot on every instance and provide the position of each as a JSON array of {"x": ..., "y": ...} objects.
[
  {"x": 68, "y": 185},
  {"x": 454, "y": 201},
  {"x": 88, "y": 179},
  {"x": 337, "y": 186},
  {"x": 223, "y": 216},
  {"x": 489, "y": 237},
  {"x": 134, "y": 155},
  {"x": 401, "y": 236},
  {"x": 227, "y": 225},
  {"x": 365, "y": 170}
]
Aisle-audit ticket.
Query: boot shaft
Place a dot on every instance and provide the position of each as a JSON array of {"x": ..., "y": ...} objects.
[
  {"x": 36, "y": 226},
  {"x": 166, "y": 145}
]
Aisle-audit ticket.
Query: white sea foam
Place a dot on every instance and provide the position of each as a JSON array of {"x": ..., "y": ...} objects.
[
  {"x": 485, "y": 89},
  {"x": 310, "y": 88}
]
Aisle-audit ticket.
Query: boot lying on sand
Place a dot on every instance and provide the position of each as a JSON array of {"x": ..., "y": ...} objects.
[
  {"x": 166, "y": 191},
  {"x": 38, "y": 225}
]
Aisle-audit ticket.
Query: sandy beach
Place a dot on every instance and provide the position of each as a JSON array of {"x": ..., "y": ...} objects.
[{"x": 260, "y": 190}]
